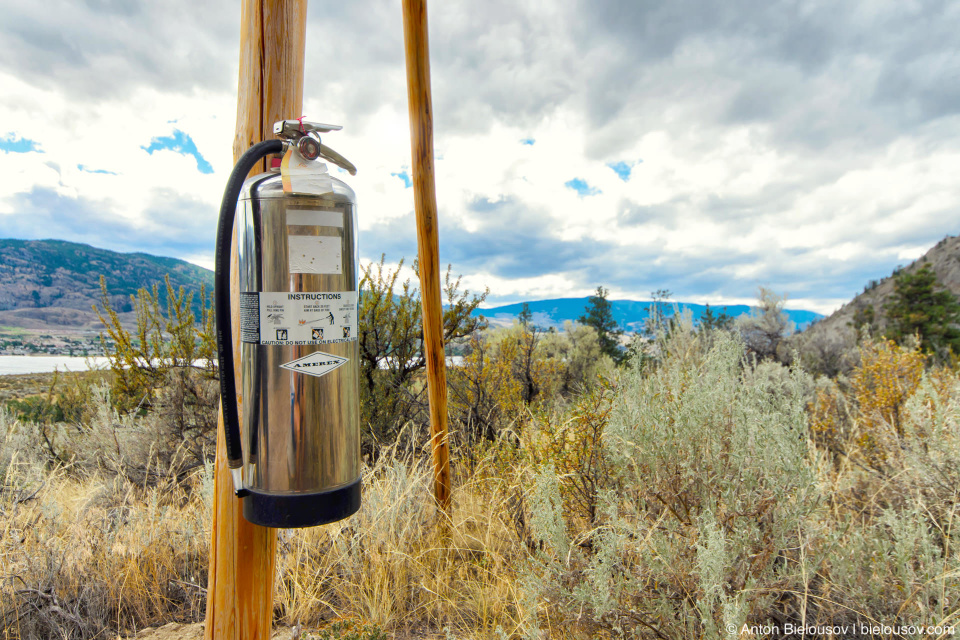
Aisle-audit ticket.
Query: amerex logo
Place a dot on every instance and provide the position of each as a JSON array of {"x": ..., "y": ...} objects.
[{"x": 317, "y": 364}]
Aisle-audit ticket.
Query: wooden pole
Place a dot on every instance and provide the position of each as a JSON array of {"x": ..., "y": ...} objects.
[
  {"x": 242, "y": 555},
  {"x": 425, "y": 203}
]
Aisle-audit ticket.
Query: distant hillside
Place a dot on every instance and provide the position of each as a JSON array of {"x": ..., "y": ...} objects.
[
  {"x": 53, "y": 283},
  {"x": 944, "y": 257},
  {"x": 631, "y": 315}
]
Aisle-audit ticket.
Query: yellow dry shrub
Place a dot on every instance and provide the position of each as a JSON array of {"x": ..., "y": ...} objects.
[
  {"x": 489, "y": 394},
  {"x": 574, "y": 446},
  {"x": 886, "y": 378},
  {"x": 829, "y": 418},
  {"x": 504, "y": 373}
]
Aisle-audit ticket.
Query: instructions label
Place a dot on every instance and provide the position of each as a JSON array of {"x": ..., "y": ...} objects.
[
  {"x": 250, "y": 318},
  {"x": 287, "y": 318}
]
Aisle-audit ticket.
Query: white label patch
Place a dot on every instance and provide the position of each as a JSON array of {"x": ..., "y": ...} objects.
[
  {"x": 315, "y": 217},
  {"x": 281, "y": 318},
  {"x": 315, "y": 254},
  {"x": 316, "y": 364}
]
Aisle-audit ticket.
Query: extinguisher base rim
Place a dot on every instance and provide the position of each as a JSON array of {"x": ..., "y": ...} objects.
[{"x": 296, "y": 510}]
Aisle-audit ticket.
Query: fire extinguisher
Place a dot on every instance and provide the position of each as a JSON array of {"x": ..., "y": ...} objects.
[{"x": 295, "y": 456}]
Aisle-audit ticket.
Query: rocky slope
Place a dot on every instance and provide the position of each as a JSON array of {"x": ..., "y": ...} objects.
[
  {"x": 53, "y": 284},
  {"x": 836, "y": 333}
]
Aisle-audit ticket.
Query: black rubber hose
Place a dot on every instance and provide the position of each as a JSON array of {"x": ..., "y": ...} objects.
[{"x": 221, "y": 295}]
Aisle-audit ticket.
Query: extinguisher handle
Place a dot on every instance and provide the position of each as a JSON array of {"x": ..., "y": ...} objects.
[
  {"x": 337, "y": 159},
  {"x": 293, "y": 129},
  {"x": 221, "y": 298}
]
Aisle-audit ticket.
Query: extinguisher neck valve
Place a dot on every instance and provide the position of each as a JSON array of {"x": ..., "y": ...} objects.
[{"x": 305, "y": 136}]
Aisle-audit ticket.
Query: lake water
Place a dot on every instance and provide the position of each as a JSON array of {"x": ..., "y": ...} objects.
[{"x": 14, "y": 365}]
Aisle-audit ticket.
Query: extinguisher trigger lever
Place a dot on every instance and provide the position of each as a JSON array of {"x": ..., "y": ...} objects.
[{"x": 329, "y": 154}]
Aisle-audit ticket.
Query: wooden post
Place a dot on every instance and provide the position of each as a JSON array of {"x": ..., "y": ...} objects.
[
  {"x": 242, "y": 555},
  {"x": 425, "y": 203}
]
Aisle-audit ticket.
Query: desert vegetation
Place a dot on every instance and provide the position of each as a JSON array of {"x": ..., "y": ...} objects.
[{"x": 709, "y": 486}]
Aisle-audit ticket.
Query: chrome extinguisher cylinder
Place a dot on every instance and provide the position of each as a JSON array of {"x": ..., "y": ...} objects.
[{"x": 299, "y": 276}]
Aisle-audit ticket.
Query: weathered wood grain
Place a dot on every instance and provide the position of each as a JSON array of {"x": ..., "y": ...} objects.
[
  {"x": 425, "y": 202},
  {"x": 243, "y": 556}
]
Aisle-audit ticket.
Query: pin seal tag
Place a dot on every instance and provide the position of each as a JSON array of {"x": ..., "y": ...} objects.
[{"x": 302, "y": 176}]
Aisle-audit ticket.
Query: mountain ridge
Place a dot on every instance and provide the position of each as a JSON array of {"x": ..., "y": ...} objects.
[
  {"x": 837, "y": 328},
  {"x": 53, "y": 284},
  {"x": 630, "y": 315}
]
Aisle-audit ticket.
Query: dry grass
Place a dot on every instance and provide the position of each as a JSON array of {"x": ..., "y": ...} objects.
[
  {"x": 86, "y": 552},
  {"x": 399, "y": 565},
  {"x": 82, "y": 555}
]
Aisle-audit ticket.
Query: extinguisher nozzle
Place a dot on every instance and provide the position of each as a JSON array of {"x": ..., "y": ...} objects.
[{"x": 238, "y": 487}]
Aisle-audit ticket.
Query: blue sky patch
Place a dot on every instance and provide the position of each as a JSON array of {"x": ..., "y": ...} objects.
[
  {"x": 11, "y": 143},
  {"x": 182, "y": 144},
  {"x": 85, "y": 169},
  {"x": 405, "y": 176},
  {"x": 622, "y": 169},
  {"x": 528, "y": 141},
  {"x": 580, "y": 186}
]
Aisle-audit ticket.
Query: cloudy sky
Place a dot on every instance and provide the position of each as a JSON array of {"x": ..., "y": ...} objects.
[{"x": 707, "y": 148}]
